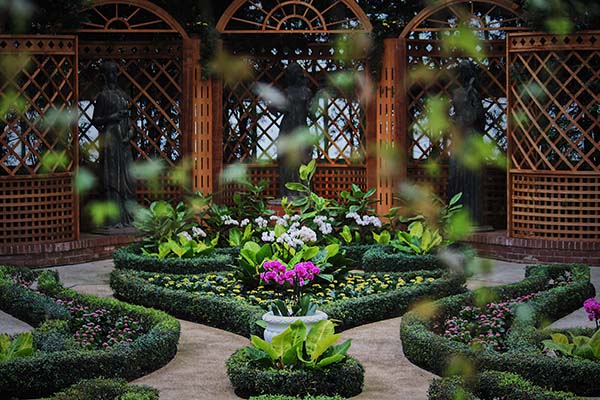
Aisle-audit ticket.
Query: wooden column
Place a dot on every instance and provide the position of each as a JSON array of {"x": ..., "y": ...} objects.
[{"x": 388, "y": 165}]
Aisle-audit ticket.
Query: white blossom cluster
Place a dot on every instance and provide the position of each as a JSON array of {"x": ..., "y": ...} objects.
[
  {"x": 186, "y": 235},
  {"x": 244, "y": 222},
  {"x": 227, "y": 220},
  {"x": 324, "y": 227},
  {"x": 268, "y": 236},
  {"x": 365, "y": 220},
  {"x": 261, "y": 222},
  {"x": 285, "y": 220},
  {"x": 296, "y": 236},
  {"x": 198, "y": 232}
]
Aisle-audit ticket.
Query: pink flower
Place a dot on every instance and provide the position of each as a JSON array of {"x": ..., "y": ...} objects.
[{"x": 592, "y": 308}]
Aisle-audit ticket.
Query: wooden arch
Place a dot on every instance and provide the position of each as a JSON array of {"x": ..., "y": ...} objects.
[
  {"x": 130, "y": 16},
  {"x": 294, "y": 16},
  {"x": 419, "y": 22}
]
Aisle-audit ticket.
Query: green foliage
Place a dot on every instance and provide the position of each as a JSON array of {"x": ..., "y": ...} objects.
[
  {"x": 251, "y": 202},
  {"x": 43, "y": 373},
  {"x": 182, "y": 247},
  {"x": 131, "y": 257},
  {"x": 309, "y": 203},
  {"x": 357, "y": 201},
  {"x": 295, "y": 348},
  {"x": 419, "y": 239},
  {"x": 248, "y": 378},
  {"x": 106, "y": 389},
  {"x": 162, "y": 222},
  {"x": 425, "y": 348},
  {"x": 20, "y": 346},
  {"x": 581, "y": 346},
  {"x": 384, "y": 259}
]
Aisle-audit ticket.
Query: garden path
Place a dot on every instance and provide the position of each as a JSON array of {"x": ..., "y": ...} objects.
[{"x": 198, "y": 371}]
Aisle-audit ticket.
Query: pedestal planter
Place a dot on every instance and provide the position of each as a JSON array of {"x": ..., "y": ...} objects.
[{"x": 276, "y": 324}]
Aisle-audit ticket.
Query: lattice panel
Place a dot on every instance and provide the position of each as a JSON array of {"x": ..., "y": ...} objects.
[
  {"x": 294, "y": 16},
  {"x": 555, "y": 103},
  {"x": 38, "y": 205},
  {"x": 329, "y": 180},
  {"x": 127, "y": 17},
  {"x": 557, "y": 207},
  {"x": 251, "y": 128},
  {"x": 554, "y": 136},
  {"x": 150, "y": 73}
]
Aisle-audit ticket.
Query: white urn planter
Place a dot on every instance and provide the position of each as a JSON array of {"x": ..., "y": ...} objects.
[{"x": 277, "y": 324}]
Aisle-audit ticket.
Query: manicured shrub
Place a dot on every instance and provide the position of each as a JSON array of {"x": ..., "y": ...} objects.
[
  {"x": 131, "y": 258},
  {"x": 106, "y": 389},
  {"x": 46, "y": 372},
  {"x": 239, "y": 317},
  {"x": 344, "y": 379},
  {"x": 384, "y": 259},
  {"x": 434, "y": 352},
  {"x": 492, "y": 385}
]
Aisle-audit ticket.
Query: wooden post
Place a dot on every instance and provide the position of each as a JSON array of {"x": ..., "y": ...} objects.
[{"x": 388, "y": 165}]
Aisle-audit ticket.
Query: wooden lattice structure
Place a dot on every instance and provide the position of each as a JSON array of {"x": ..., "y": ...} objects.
[
  {"x": 251, "y": 127},
  {"x": 554, "y": 136},
  {"x": 38, "y": 201},
  {"x": 159, "y": 71},
  {"x": 424, "y": 53}
]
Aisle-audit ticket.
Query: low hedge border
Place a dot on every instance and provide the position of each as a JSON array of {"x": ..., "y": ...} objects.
[
  {"x": 239, "y": 317},
  {"x": 345, "y": 379},
  {"x": 106, "y": 389},
  {"x": 131, "y": 257},
  {"x": 45, "y": 373},
  {"x": 434, "y": 352},
  {"x": 384, "y": 259},
  {"x": 280, "y": 397},
  {"x": 491, "y": 385}
]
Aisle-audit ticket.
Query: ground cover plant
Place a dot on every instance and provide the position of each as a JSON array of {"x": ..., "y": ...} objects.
[
  {"x": 88, "y": 336},
  {"x": 547, "y": 293}
]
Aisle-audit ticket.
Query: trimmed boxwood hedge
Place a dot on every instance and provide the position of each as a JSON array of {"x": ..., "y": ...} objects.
[
  {"x": 434, "y": 352},
  {"x": 491, "y": 385},
  {"x": 344, "y": 378},
  {"x": 45, "y": 373},
  {"x": 384, "y": 259},
  {"x": 131, "y": 257},
  {"x": 106, "y": 389},
  {"x": 239, "y": 317}
]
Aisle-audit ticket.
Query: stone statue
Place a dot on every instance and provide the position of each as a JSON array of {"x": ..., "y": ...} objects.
[
  {"x": 470, "y": 119},
  {"x": 295, "y": 113},
  {"x": 111, "y": 118}
]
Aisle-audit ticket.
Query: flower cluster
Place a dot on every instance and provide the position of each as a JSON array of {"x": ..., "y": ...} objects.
[
  {"x": 486, "y": 325},
  {"x": 592, "y": 308},
  {"x": 198, "y": 232},
  {"x": 228, "y": 220},
  {"x": 226, "y": 285},
  {"x": 322, "y": 223},
  {"x": 100, "y": 328},
  {"x": 276, "y": 272},
  {"x": 261, "y": 222},
  {"x": 365, "y": 220}
]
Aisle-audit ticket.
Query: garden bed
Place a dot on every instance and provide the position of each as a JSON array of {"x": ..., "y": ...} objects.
[
  {"x": 235, "y": 312},
  {"x": 343, "y": 379},
  {"x": 492, "y": 385},
  {"x": 77, "y": 337},
  {"x": 425, "y": 345},
  {"x": 106, "y": 389}
]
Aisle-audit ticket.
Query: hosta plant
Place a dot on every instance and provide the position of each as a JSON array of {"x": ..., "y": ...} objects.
[
  {"x": 578, "y": 346},
  {"x": 297, "y": 348},
  {"x": 20, "y": 346},
  {"x": 419, "y": 239},
  {"x": 161, "y": 222}
]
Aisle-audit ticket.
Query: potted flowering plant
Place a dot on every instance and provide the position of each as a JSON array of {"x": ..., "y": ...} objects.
[{"x": 299, "y": 307}]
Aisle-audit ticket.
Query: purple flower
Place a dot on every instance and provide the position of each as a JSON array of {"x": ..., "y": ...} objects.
[{"x": 592, "y": 308}]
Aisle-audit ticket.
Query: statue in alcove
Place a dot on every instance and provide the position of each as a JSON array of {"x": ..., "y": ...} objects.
[
  {"x": 293, "y": 148},
  {"x": 469, "y": 120},
  {"x": 111, "y": 118}
]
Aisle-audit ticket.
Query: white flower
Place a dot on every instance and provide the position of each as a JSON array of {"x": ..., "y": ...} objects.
[
  {"x": 198, "y": 232},
  {"x": 227, "y": 220},
  {"x": 261, "y": 222},
  {"x": 244, "y": 222},
  {"x": 268, "y": 236},
  {"x": 186, "y": 235}
]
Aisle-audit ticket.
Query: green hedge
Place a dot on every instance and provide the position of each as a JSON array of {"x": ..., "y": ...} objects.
[
  {"x": 106, "y": 389},
  {"x": 281, "y": 397},
  {"x": 344, "y": 379},
  {"x": 492, "y": 385},
  {"x": 434, "y": 352},
  {"x": 45, "y": 373},
  {"x": 384, "y": 259},
  {"x": 130, "y": 257},
  {"x": 239, "y": 317}
]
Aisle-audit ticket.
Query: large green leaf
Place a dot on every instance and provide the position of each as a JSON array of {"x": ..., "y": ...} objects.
[
  {"x": 264, "y": 346},
  {"x": 559, "y": 338},
  {"x": 584, "y": 351},
  {"x": 595, "y": 344},
  {"x": 336, "y": 354},
  {"x": 416, "y": 229},
  {"x": 20, "y": 346},
  {"x": 565, "y": 349},
  {"x": 310, "y": 252},
  {"x": 322, "y": 346},
  {"x": 320, "y": 330},
  {"x": 298, "y": 187},
  {"x": 256, "y": 354}
]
